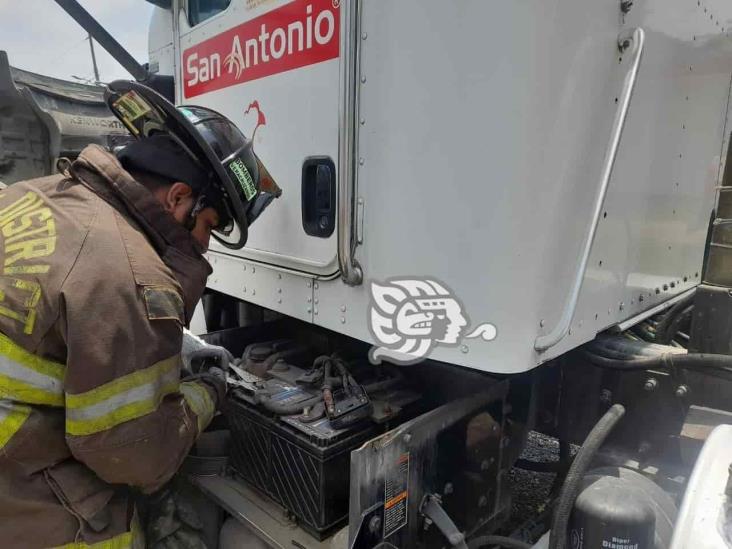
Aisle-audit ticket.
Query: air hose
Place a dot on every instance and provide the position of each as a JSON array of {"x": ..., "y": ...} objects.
[
  {"x": 711, "y": 364},
  {"x": 580, "y": 465},
  {"x": 671, "y": 328},
  {"x": 669, "y": 323}
]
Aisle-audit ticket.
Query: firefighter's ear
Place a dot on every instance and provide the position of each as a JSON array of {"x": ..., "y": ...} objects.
[{"x": 178, "y": 200}]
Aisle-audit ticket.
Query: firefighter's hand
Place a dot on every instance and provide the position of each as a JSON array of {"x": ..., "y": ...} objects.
[
  {"x": 209, "y": 357},
  {"x": 198, "y": 355},
  {"x": 210, "y": 365}
]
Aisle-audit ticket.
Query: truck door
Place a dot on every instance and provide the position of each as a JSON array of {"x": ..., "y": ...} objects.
[{"x": 272, "y": 66}]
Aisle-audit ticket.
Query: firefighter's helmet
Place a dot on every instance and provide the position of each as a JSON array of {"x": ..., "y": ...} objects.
[{"x": 237, "y": 183}]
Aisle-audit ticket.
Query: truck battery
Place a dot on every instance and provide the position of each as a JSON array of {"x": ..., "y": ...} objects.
[{"x": 305, "y": 467}]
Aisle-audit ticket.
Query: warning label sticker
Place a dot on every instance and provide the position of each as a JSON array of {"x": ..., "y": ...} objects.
[{"x": 396, "y": 495}]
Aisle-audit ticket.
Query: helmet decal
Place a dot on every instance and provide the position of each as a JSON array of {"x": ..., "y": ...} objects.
[{"x": 244, "y": 178}]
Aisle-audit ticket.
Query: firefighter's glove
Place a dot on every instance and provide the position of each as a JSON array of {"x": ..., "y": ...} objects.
[
  {"x": 217, "y": 373},
  {"x": 207, "y": 358},
  {"x": 216, "y": 378},
  {"x": 173, "y": 522},
  {"x": 206, "y": 363},
  {"x": 211, "y": 364},
  {"x": 198, "y": 355}
]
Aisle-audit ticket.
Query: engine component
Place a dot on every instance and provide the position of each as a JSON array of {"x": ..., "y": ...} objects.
[
  {"x": 302, "y": 466},
  {"x": 431, "y": 508},
  {"x": 615, "y": 352},
  {"x": 348, "y": 405},
  {"x": 618, "y": 507},
  {"x": 705, "y": 518},
  {"x": 581, "y": 463},
  {"x": 285, "y": 445},
  {"x": 258, "y": 358}
]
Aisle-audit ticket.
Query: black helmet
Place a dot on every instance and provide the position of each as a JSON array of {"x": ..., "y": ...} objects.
[{"x": 238, "y": 185}]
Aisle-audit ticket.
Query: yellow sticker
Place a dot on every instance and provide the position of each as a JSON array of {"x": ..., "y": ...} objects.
[{"x": 131, "y": 106}]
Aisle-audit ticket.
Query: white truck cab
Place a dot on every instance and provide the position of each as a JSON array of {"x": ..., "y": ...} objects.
[{"x": 496, "y": 217}]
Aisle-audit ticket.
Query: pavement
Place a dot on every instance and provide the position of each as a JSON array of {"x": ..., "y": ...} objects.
[{"x": 530, "y": 490}]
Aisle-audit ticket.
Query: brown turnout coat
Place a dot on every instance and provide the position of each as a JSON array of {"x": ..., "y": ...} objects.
[{"x": 97, "y": 284}]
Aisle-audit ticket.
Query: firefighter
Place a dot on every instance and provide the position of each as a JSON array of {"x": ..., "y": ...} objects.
[{"x": 102, "y": 269}]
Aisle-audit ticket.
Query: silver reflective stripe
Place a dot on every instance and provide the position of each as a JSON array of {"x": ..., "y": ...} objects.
[
  {"x": 151, "y": 391},
  {"x": 6, "y": 408},
  {"x": 29, "y": 376}
]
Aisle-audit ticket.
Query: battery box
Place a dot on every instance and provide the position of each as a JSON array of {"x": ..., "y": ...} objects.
[
  {"x": 301, "y": 463},
  {"x": 304, "y": 468}
]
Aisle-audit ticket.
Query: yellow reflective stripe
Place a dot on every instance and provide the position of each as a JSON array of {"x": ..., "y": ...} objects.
[
  {"x": 28, "y": 378},
  {"x": 123, "y": 399},
  {"x": 199, "y": 400},
  {"x": 119, "y": 415},
  {"x": 23, "y": 392},
  {"x": 25, "y": 358},
  {"x": 127, "y": 540},
  {"x": 122, "y": 384},
  {"x": 12, "y": 418},
  {"x": 123, "y": 541}
]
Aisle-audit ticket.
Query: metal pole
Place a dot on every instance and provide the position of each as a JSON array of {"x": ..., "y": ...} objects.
[
  {"x": 638, "y": 38},
  {"x": 351, "y": 271},
  {"x": 90, "y": 25},
  {"x": 94, "y": 60}
]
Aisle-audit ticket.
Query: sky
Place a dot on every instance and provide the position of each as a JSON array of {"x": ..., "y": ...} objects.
[{"x": 40, "y": 37}]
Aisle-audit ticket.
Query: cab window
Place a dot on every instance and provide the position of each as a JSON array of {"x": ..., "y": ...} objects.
[{"x": 200, "y": 10}]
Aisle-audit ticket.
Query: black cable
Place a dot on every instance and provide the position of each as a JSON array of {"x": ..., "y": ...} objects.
[
  {"x": 329, "y": 384},
  {"x": 327, "y": 369},
  {"x": 501, "y": 541},
  {"x": 711, "y": 364},
  {"x": 663, "y": 331},
  {"x": 582, "y": 462},
  {"x": 675, "y": 324},
  {"x": 346, "y": 377}
]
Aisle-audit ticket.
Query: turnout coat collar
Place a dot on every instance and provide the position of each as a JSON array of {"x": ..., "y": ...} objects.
[{"x": 103, "y": 174}]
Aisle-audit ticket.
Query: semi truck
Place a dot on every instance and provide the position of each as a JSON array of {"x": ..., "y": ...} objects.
[
  {"x": 43, "y": 119},
  {"x": 497, "y": 218}
]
